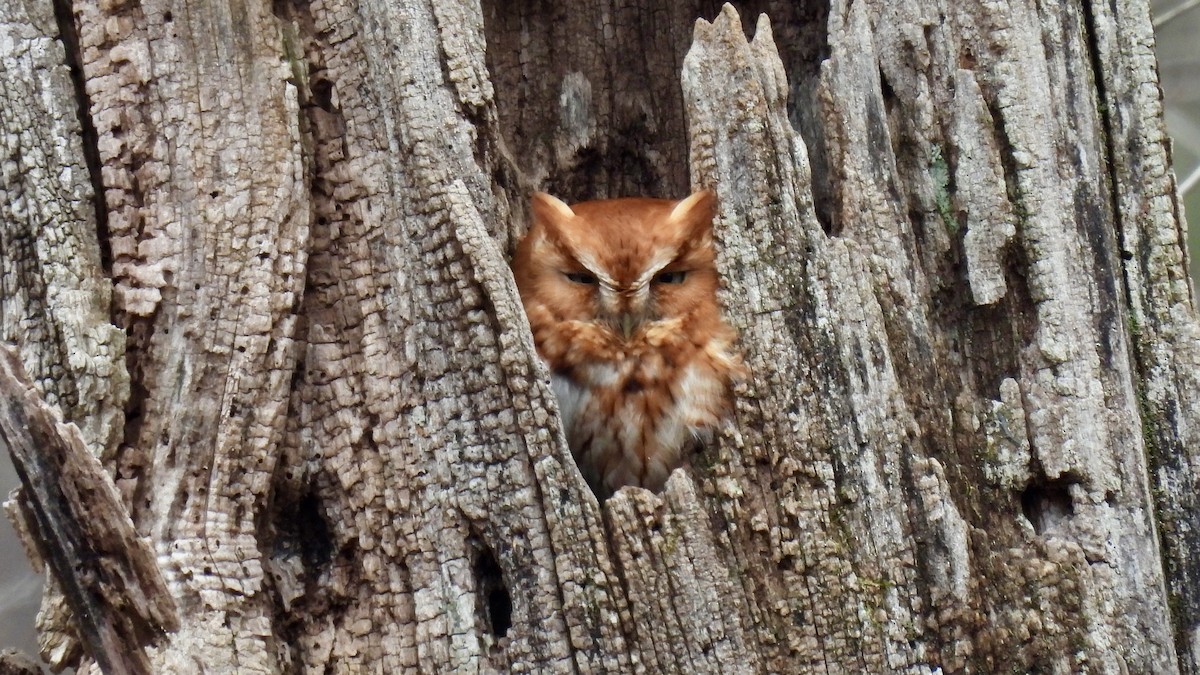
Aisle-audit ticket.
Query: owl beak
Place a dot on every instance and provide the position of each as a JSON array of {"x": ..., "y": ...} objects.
[{"x": 628, "y": 325}]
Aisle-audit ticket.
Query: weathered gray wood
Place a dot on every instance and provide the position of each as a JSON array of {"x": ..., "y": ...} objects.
[
  {"x": 967, "y": 405},
  {"x": 1162, "y": 322},
  {"x": 981, "y": 515},
  {"x": 1084, "y": 489},
  {"x": 207, "y": 208},
  {"x": 422, "y": 422},
  {"x": 55, "y": 296},
  {"x": 109, "y": 576}
]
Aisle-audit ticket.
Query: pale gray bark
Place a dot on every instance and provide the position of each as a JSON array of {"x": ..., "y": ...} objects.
[
  {"x": 55, "y": 299},
  {"x": 949, "y": 241}
]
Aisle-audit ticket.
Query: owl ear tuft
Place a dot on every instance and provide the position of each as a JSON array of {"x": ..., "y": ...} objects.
[
  {"x": 695, "y": 213},
  {"x": 549, "y": 209},
  {"x": 699, "y": 206},
  {"x": 551, "y": 217}
]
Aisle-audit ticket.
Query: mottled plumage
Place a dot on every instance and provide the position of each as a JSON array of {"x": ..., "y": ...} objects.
[{"x": 621, "y": 296}]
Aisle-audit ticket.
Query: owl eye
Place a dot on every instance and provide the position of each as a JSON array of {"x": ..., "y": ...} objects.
[
  {"x": 581, "y": 278},
  {"x": 674, "y": 277}
]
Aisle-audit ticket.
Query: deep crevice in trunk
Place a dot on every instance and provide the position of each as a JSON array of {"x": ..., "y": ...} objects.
[{"x": 64, "y": 14}]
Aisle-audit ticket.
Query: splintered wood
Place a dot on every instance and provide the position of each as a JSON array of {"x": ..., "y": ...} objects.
[{"x": 83, "y": 532}]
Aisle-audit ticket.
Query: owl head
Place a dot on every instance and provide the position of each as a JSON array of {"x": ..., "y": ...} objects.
[{"x": 620, "y": 264}]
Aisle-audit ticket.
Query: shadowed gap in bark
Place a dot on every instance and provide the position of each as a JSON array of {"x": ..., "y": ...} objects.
[{"x": 589, "y": 98}]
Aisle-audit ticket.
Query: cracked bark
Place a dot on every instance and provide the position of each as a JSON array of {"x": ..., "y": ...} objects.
[{"x": 949, "y": 239}]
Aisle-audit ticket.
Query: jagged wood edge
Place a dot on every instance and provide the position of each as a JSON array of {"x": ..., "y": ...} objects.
[{"x": 107, "y": 572}]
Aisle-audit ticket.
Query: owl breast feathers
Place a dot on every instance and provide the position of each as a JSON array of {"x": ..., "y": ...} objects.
[{"x": 621, "y": 296}]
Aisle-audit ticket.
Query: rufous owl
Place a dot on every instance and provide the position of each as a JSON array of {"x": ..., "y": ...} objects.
[{"x": 621, "y": 295}]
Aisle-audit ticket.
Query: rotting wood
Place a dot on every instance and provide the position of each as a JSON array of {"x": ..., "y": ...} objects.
[
  {"x": 109, "y": 575},
  {"x": 1161, "y": 319},
  {"x": 55, "y": 295}
]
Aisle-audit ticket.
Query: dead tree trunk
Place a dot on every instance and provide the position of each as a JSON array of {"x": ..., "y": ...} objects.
[{"x": 257, "y": 252}]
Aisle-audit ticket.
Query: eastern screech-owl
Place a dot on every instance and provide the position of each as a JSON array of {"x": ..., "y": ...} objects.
[{"x": 621, "y": 296}]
